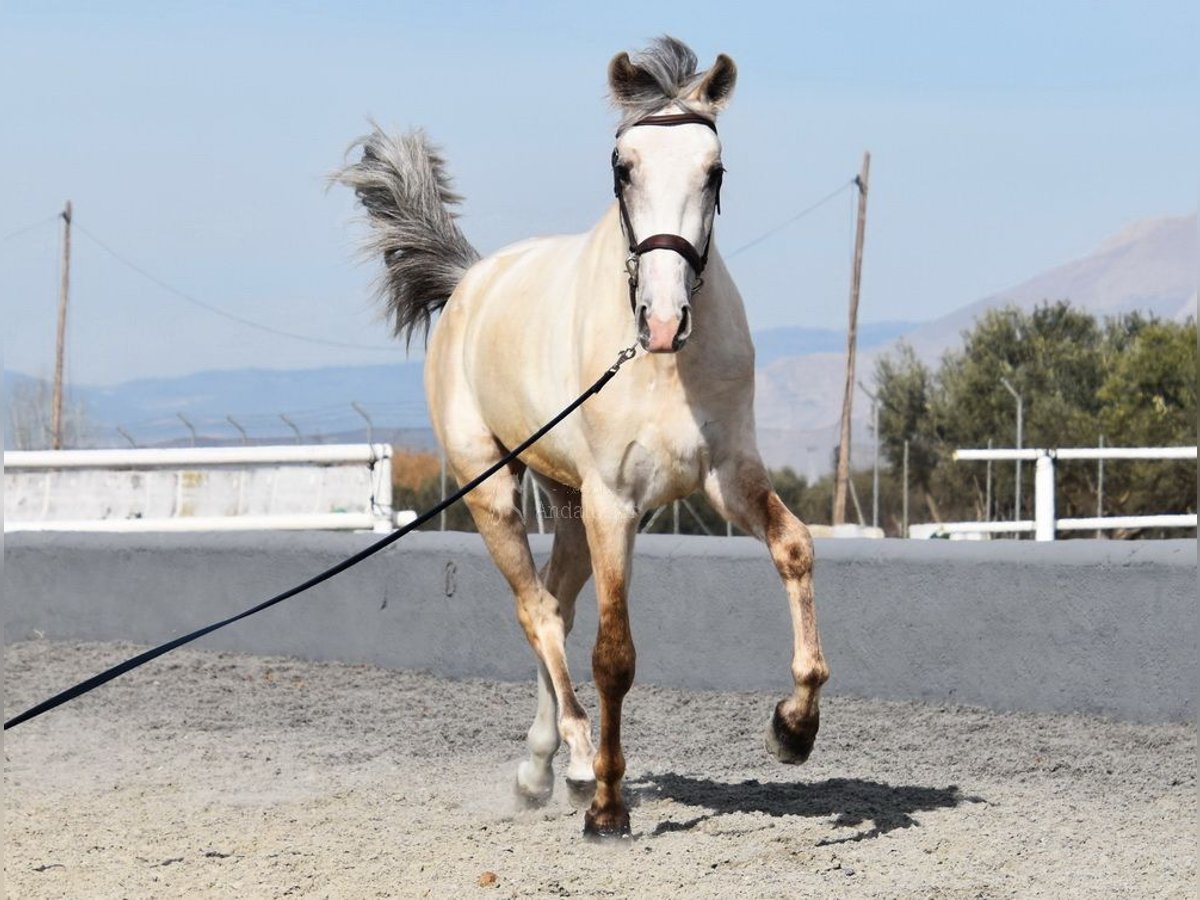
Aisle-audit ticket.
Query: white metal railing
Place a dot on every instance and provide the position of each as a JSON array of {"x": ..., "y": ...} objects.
[
  {"x": 1045, "y": 524},
  {"x": 288, "y": 487}
]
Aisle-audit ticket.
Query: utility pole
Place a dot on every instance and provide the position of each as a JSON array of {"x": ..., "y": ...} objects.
[
  {"x": 64, "y": 292},
  {"x": 843, "y": 460}
]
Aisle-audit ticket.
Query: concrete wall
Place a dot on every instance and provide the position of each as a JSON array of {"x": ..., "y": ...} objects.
[{"x": 1090, "y": 626}]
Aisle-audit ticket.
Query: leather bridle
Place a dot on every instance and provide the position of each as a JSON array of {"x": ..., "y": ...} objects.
[{"x": 674, "y": 242}]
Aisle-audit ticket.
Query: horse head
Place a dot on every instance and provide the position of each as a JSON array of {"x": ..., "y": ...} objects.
[{"x": 667, "y": 180}]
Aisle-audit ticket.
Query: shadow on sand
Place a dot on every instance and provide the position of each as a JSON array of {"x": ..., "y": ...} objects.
[{"x": 851, "y": 801}]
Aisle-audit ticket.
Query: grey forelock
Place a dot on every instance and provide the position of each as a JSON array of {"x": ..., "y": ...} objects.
[{"x": 671, "y": 64}]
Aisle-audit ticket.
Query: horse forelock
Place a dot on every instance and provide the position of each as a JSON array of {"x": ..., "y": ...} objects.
[{"x": 670, "y": 69}]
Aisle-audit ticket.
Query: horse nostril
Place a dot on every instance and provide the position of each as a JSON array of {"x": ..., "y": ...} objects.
[
  {"x": 685, "y": 323},
  {"x": 643, "y": 324}
]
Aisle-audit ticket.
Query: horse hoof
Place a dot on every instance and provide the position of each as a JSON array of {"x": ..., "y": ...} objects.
[
  {"x": 792, "y": 744},
  {"x": 605, "y": 825},
  {"x": 532, "y": 792},
  {"x": 580, "y": 793}
]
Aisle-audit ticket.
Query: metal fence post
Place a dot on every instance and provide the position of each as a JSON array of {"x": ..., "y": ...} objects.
[{"x": 442, "y": 486}]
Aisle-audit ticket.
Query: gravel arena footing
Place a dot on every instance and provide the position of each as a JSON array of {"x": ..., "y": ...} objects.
[{"x": 209, "y": 774}]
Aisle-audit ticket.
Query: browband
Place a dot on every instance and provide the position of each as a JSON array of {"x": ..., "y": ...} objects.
[{"x": 686, "y": 118}]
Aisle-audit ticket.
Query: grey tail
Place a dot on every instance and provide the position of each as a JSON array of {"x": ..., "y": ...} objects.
[{"x": 402, "y": 183}]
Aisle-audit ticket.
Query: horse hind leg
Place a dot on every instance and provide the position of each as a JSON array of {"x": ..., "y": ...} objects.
[
  {"x": 497, "y": 515},
  {"x": 564, "y": 575}
]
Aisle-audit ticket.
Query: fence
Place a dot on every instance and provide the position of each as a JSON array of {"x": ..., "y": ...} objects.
[
  {"x": 1045, "y": 524},
  {"x": 340, "y": 486}
]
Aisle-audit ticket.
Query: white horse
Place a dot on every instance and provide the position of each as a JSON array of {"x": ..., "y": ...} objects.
[{"x": 524, "y": 331}]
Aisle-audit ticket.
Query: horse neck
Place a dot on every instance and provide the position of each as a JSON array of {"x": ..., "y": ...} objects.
[
  {"x": 607, "y": 279},
  {"x": 607, "y": 239}
]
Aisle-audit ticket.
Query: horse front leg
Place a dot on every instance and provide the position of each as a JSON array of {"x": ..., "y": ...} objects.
[
  {"x": 741, "y": 491},
  {"x": 611, "y": 524}
]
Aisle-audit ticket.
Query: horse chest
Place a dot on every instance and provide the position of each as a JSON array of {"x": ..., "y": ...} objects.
[{"x": 665, "y": 457}]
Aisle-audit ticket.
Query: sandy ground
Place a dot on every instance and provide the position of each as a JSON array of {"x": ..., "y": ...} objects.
[{"x": 207, "y": 774}]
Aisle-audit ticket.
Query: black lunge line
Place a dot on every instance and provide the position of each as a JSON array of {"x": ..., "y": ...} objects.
[{"x": 108, "y": 675}]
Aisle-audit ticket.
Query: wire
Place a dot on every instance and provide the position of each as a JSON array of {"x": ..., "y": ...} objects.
[
  {"x": 30, "y": 227},
  {"x": 771, "y": 232},
  {"x": 221, "y": 312}
]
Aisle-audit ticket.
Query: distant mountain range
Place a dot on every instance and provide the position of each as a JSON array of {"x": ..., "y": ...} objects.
[
  {"x": 318, "y": 402},
  {"x": 1149, "y": 266}
]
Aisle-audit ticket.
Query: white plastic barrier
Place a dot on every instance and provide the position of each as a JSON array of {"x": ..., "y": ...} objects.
[
  {"x": 1045, "y": 523},
  {"x": 326, "y": 486}
]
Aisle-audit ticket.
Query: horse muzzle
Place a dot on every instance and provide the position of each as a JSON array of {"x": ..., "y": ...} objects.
[{"x": 663, "y": 335}]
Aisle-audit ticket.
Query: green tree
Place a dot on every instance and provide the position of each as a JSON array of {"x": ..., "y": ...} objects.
[
  {"x": 905, "y": 388},
  {"x": 1149, "y": 399},
  {"x": 1149, "y": 392},
  {"x": 1131, "y": 379},
  {"x": 1053, "y": 359}
]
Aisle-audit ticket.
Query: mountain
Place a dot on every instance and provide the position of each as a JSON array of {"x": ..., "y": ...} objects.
[
  {"x": 319, "y": 401},
  {"x": 779, "y": 343},
  {"x": 1149, "y": 266}
]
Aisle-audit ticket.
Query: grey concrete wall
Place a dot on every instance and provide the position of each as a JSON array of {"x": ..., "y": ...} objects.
[{"x": 1081, "y": 626}]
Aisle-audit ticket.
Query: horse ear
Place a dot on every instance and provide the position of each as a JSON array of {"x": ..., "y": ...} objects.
[
  {"x": 629, "y": 83},
  {"x": 716, "y": 87}
]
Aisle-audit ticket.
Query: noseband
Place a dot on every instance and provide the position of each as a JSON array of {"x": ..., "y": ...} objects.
[{"x": 674, "y": 242}]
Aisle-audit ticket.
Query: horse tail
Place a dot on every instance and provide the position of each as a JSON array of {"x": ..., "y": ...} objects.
[{"x": 402, "y": 183}]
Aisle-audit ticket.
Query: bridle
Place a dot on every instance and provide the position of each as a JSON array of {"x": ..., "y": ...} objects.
[{"x": 674, "y": 242}]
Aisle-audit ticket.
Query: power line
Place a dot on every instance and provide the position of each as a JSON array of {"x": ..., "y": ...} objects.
[
  {"x": 30, "y": 227},
  {"x": 249, "y": 323},
  {"x": 771, "y": 232}
]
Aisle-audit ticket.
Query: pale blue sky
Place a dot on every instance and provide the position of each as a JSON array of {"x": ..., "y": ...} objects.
[{"x": 193, "y": 139}]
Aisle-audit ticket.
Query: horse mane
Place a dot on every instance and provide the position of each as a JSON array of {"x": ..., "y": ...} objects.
[{"x": 671, "y": 67}]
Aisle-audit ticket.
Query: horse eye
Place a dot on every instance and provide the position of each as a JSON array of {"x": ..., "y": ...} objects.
[
  {"x": 715, "y": 175},
  {"x": 622, "y": 170}
]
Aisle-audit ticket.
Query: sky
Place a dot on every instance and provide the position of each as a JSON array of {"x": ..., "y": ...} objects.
[{"x": 194, "y": 140}]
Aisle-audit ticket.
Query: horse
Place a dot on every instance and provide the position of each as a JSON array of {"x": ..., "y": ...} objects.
[{"x": 522, "y": 332}]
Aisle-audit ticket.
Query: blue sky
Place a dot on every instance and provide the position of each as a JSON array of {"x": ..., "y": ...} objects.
[{"x": 193, "y": 139}]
